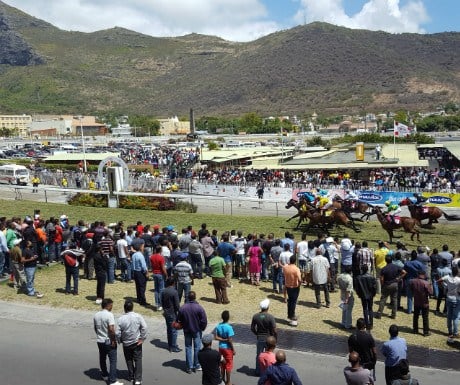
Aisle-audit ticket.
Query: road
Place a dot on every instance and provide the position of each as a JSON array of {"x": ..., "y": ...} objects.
[{"x": 42, "y": 345}]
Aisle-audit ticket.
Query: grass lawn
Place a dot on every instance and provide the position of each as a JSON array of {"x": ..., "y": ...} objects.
[{"x": 244, "y": 298}]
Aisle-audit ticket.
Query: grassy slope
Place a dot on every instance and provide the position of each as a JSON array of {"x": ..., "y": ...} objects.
[{"x": 244, "y": 298}]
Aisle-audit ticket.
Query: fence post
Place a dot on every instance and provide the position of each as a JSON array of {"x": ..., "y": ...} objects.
[
  {"x": 231, "y": 207},
  {"x": 223, "y": 206},
  {"x": 276, "y": 205},
  {"x": 46, "y": 197}
]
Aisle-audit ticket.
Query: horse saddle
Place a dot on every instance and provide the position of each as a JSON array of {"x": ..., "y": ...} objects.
[
  {"x": 395, "y": 218},
  {"x": 328, "y": 213}
]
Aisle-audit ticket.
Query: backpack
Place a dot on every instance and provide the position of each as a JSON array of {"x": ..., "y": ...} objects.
[{"x": 51, "y": 234}]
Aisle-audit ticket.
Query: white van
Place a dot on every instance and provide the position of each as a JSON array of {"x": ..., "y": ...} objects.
[{"x": 14, "y": 174}]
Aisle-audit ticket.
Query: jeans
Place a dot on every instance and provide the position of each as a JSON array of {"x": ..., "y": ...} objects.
[
  {"x": 141, "y": 282},
  {"x": 434, "y": 282},
  {"x": 71, "y": 272},
  {"x": 347, "y": 312},
  {"x": 133, "y": 358},
  {"x": 197, "y": 265},
  {"x": 111, "y": 269},
  {"x": 183, "y": 288},
  {"x": 452, "y": 316},
  {"x": 54, "y": 251},
  {"x": 264, "y": 271},
  {"x": 318, "y": 289},
  {"x": 367, "y": 311},
  {"x": 277, "y": 279},
  {"x": 111, "y": 352},
  {"x": 159, "y": 286},
  {"x": 2, "y": 261},
  {"x": 30, "y": 276},
  {"x": 101, "y": 277},
  {"x": 292, "y": 295},
  {"x": 191, "y": 359},
  {"x": 147, "y": 254},
  {"x": 261, "y": 343},
  {"x": 170, "y": 331},
  {"x": 125, "y": 269}
]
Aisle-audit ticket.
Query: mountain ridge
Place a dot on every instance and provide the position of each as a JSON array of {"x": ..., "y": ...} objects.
[{"x": 315, "y": 67}]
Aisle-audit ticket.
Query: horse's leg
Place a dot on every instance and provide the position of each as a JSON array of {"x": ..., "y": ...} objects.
[{"x": 294, "y": 216}]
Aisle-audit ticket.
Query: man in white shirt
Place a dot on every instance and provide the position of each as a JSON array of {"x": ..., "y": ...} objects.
[
  {"x": 124, "y": 257},
  {"x": 132, "y": 332},
  {"x": 320, "y": 274},
  {"x": 304, "y": 260},
  {"x": 104, "y": 326}
]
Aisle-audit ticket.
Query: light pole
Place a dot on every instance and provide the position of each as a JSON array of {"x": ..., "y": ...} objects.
[{"x": 85, "y": 169}]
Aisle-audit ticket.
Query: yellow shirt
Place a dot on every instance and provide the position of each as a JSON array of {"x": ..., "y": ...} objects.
[{"x": 379, "y": 256}]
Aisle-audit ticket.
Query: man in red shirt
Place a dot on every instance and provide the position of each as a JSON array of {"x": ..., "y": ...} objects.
[
  {"x": 422, "y": 289},
  {"x": 158, "y": 264}
]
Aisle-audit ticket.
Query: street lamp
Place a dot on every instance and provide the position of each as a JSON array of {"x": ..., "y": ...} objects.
[{"x": 85, "y": 169}]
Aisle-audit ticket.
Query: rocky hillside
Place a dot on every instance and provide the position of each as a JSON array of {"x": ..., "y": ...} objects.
[{"x": 317, "y": 67}]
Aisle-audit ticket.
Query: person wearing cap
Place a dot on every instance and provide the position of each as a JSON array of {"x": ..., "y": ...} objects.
[
  {"x": 263, "y": 324},
  {"x": 421, "y": 289},
  {"x": 210, "y": 361},
  {"x": 193, "y": 318},
  {"x": 183, "y": 273},
  {"x": 132, "y": 332}
]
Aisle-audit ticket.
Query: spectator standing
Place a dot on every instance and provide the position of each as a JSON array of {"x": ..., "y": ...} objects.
[
  {"x": 19, "y": 276},
  {"x": 157, "y": 262},
  {"x": 355, "y": 374},
  {"x": 366, "y": 257},
  {"x": 170, "y": 302},
  {"x": 366, "y": 288},
  {"x": 422, "y": 290},
  {"x": 263, "y": 325},
  {"x": 140, "y": 273},
  {"x": 346, "y": 252},
  {"x": 303, "y": 258},
  {"x": 184, "y": 277},
  {"x": 394, "y": 350},
  {"x": 226, "y": 250},
  {"x": 3, "y": 252},
  {"x": 210, "y": 361},
  {"x": 380, "y": 261},
  {"x": 193, "y": 318},
  {"x": 29, "y": 260},
  {"x": 405, "y": 377},
  {"x": 208, "y": 249},
  {"x": 224, "y": 334},
  {"x": 100, "y": 268},
  {"x": 363, "y": 343},
  {"x": 132, "y": 332},
  {"x": 240, "y": 256},
  {"x": 104, "y": 326},
  {"x": 106, "y": 248},
  {"x": 390, "y": 275},
  {"x": 446, "y": 254},
  {"x": 277, "y": 271},
  {"x": 280, "y": 373},
  {"x": 255, "y": 262},
  {"x": 267, "y": 357},
  {"x": 412, "y": 268},
  {"x": 345, "y": 282},
  {"x": 453, "y": 302},
  {"x": 321, "y": 276},
  {"x": 124, "y": 258},
  {"x": 217, "y": 272},
  {"x": 292, "y": 280},
  {"x": 72, "y": 258},
  {"x": 442, "y": 271},
  {"x": 195, "y": 249}
]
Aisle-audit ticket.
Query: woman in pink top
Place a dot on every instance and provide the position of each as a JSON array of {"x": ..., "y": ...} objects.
[{"x": 255, "y": 262}]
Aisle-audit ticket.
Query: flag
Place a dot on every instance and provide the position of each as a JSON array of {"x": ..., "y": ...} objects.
[{"x": 401, "y": 129}]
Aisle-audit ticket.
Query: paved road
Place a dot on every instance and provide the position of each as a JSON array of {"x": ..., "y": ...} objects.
[{"x": 42, "y": 345}]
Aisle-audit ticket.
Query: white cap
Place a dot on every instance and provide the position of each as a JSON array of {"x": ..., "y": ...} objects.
[
  {"x": 329, "y": 239},
  {"x": 63, "y": 216},
  {"x": 265, "y": 304}
]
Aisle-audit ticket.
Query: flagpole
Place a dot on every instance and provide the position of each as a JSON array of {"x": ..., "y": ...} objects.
[{"x": 394, "y": 140}]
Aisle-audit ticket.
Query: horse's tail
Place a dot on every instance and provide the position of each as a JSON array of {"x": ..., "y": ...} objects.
[{"x": 450, "y": 217}]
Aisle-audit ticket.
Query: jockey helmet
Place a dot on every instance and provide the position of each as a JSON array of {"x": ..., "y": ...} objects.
[{"x": 387, "y": 203}]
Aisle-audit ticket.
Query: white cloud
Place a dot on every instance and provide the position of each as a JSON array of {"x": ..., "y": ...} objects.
[
  {"x": 236, "y": 20},
  {"x": 384, "y": 15}
]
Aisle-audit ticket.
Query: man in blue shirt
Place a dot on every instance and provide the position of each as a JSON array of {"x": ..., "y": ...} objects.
[
  {"x": 140, "y": 273},
  {"x": 280, "y": 373},
  {"x": 394, "y": 350},
  {"x": 226, "y": 250}
]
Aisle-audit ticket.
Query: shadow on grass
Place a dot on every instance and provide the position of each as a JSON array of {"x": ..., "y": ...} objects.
[
  {"x": 309, "y": 304},
  {"x": 282, "y": 321},
  {"x": 175, "y": 363},
  {"x": 335, "y": 324},
  {"x": 60, "y": 290},
  {"x": 159, "y": 344},
  {"x": 247, "y": 370},
  {"x": 208, "y": 299},
  {"x": 91, "y": 298}
]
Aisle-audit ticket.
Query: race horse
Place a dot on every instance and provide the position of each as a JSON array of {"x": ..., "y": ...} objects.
[
  {"x": 351, "y": 207},
  {"x": 426, "y": 212},
  {"x": 316, "y": 217},
  {"x": 407, "y": 223}
]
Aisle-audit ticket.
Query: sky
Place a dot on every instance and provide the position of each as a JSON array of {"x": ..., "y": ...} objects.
[{"x": 243, "y": 20}]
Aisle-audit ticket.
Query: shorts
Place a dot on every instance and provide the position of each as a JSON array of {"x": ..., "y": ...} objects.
[
  {"x": 302, "y": 264},
  {"x": 240, "y": 260},
  {"x": 228, "y": 356}
]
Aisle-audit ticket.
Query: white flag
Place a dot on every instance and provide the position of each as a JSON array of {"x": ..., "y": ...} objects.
[{"x": 401, "y": 129}]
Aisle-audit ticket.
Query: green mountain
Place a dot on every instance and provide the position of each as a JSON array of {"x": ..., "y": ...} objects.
[{"x": 316, "y": 67}]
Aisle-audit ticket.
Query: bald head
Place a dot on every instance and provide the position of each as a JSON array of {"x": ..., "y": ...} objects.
[
  {"x": 353, "y": 358},
  {"x": 280, "y": 356}
]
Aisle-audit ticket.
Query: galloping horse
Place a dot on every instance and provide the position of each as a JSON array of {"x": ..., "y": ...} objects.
[
  {"x": 351, "y": 207},
  {"x": 301, "y": 214},
  {"x": 408, "y": 224},
  {"x": 425, "y": 212}
]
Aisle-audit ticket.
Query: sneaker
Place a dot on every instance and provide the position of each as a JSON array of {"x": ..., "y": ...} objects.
[
  {"x": 138, "y": 383},
  {"x": 159, "y": 308},
  {"x": 198, "y": 369},
  {"x": 38, "y": 295},
  {"x": 117, "y": 383},
  {"x": 188, "y": 371},
  {"x": 175, "y": 350},
  {"x": 98, "y": 301},
  {"x": 293, "y": 323}
]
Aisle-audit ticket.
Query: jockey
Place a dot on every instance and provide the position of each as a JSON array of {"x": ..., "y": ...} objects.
[
  {"x": 351, "y": 196},
  {"x": 392, "y": 210},
  {"x": 420, "y": 199},
  {"x": 324, "y": 202}
]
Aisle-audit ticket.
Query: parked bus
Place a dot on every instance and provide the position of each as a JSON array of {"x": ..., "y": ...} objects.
[{"x": 14, "y": 174}]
